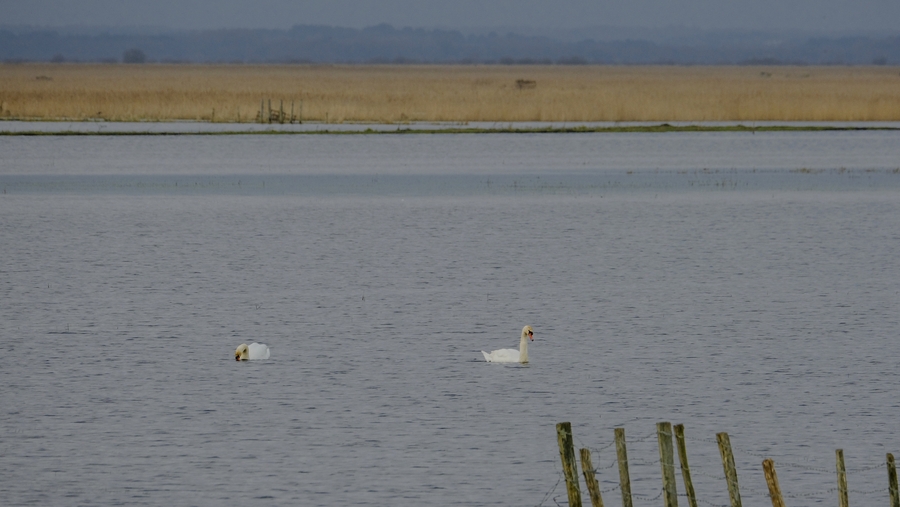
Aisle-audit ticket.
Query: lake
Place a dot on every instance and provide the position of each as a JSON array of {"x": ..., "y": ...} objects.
[{"x": 745, "y": 283}]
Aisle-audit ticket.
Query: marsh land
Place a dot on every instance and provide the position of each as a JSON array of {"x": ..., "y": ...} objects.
[{"x": 448, "y": 93}]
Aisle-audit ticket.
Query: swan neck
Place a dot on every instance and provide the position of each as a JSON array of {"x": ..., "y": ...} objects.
[{"x": 523, "y": 349}]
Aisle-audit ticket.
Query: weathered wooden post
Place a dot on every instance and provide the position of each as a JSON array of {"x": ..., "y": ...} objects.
[
  {"x": 570, "y": 467},
  {"x": 292, "y": 112},
  {"x": 843, "y": 500},
  {"x": 624, "y": 478},
  {"x": 772, "y": 482},
  {"x": 685, "y": 468},
  {"x": 270, "y": 112},
  {"x": 667, "y": 463},
  {"x": 262, "y": 110},
  {"x": 281, "y": 111},
  {"x": 892, "y": 481},
  {"x": 734, "y": 491},
  {"x": 587, "y": 468}
]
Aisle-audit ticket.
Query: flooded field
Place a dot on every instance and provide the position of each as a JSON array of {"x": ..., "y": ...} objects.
[{"x": 731, "y": 282}]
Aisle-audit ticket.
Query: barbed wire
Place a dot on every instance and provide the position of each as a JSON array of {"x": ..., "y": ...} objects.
[
  {"x": 817, "y": 494},
  {"x": 610, "y": 490},
  {"x": 788, "y": 464},
  {"x": 612, "y": 464},
  {"x": 707, "y": 502},
  {"x": 582, "y": 445},
  {"x": 648, "y": 498},
  {"x": 695, "y": 470},
  {"x": 613, "y": 443},
  {"x": 879, "y": 491},
  {"x": 866, "y": 469},
  {"x": 547, "y": 495}
]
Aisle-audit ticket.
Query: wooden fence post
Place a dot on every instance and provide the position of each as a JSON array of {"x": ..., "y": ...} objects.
[
  {"x": 587, "y": 468},
  {"x": 843, "y": 500},
  {"x": 772, "y": 482},
  {"x": 892, "y": 481},
  {"x": 685, "y": 468},
  {"x": 734, "y": 491},
  {"x": 622, "y": 458},
  {"x": 570, "y": 467},
  {"x": 667, "y": 463}
]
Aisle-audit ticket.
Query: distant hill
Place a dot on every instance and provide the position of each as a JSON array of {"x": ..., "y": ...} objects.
[{"x": 387, "y": 44}]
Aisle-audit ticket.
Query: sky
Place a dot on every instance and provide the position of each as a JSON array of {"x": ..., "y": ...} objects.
[{"x": 778, "y": 15}]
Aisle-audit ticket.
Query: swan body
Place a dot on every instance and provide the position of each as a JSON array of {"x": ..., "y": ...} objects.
[
  {"x": 512, "y": 355},
  {"x": 251, "y": 352}
]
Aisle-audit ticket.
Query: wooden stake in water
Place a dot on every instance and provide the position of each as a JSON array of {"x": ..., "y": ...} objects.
[
  {"x": 570, "y": 467},
  {"x": 772, "y": 482},
  {"x": 731, "y": 478},
  {"x": 667, "y": 462},
  {"x": 685, "y": 468},
  {"x": 624, "y": 478},
  {"x": 587, "y": 468},
  {"x": 843, "y": 500},
  {"x": 892, "y": 481}
]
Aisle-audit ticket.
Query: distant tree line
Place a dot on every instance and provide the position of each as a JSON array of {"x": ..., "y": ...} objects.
[{"x": 386, "y": 44}]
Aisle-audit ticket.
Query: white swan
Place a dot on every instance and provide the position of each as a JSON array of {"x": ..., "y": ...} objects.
[
  {"x": 512, "y": 355},
  {"x": 252, "y": 351}
]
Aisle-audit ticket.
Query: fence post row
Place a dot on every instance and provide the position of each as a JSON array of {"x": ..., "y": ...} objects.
[
  {"x": 569, "y": 466},
  {"x": 892, "y": 481},
  {"x": 277, "y": 115},
  {"x": 667, "y": 462},
  {"x": 685, "y": 468},
  {"x": 772, "y": 482},
  {"x": 587, "y": 468},
  {"x": 843, "y": 498},
  {"x": 664, "y": 432},
  {"x": 622, "y": 458},
  {"x": 734, "y": 493}
]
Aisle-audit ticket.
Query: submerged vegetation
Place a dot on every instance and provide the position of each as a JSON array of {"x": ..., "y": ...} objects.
[{"x": 449, "y": 93}]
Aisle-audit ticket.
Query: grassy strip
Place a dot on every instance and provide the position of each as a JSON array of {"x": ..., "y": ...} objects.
[
  {"x": 664, "y": 127},
  {"x": 415, "y": 94}
]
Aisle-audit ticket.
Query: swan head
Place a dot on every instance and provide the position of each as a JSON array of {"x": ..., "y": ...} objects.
[
  {"x": 527, "y": 332},
  {"x": 242, "y": 353}
]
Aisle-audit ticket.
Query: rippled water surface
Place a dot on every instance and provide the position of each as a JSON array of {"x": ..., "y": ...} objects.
[{"x": 736, "y": 283}]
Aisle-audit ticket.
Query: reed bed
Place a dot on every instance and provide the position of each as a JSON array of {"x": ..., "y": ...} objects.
[{"x": 449, "y": 93}]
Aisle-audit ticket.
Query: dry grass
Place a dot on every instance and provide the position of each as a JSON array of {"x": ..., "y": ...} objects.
[{"x": 389, "y": 94}]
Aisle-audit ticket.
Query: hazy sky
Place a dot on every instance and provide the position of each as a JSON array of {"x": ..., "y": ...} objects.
[{"x": 805, "y": 15}]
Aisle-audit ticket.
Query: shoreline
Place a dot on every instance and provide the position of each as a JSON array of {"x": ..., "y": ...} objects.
[{"x": 178, "y": 128}]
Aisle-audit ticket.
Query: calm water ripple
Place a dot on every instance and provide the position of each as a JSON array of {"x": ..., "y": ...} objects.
[{"x": 377, "y": 268}]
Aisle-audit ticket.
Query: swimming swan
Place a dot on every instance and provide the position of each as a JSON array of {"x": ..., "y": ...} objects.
[
  {"x": 252, "y": 351},
  {"x": 512, "y": 355}
]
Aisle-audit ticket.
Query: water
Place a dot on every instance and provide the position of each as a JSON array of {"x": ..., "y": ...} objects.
[{"x": 729, "y": 282}]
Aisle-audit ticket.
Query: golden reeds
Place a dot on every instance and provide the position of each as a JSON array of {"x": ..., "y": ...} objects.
[{"x": 390, "y": 94}]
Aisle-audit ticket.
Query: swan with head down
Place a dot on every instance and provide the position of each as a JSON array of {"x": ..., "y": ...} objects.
[
  {"x": 253, "y": 351},
  {"x": 512, "y": 355}
]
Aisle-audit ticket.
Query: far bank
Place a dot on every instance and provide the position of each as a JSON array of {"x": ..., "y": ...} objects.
[{"x": 447, "y": 93}]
